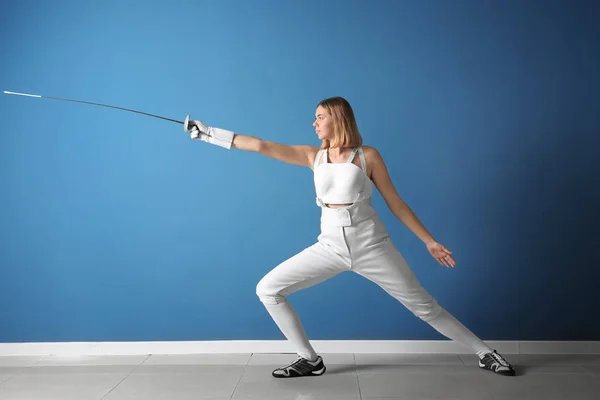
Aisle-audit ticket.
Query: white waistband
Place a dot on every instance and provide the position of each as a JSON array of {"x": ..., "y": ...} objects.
[{"x": 346, "y": 216}]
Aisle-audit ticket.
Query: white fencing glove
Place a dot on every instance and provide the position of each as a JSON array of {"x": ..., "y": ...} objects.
[{"x": 209, "y": 134}]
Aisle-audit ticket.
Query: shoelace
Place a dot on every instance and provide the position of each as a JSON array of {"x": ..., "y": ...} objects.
[
  {"x": 498, "y": 358},
  {"x": 298, "y": 361},
  {"x": 293, "y": 364}
]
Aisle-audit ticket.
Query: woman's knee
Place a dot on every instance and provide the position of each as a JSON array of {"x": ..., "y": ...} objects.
[
  {"x": 267, "y": 294},
  {"x": 428, "y": 310}
]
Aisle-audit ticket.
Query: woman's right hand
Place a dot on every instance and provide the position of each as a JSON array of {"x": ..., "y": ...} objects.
[{"x": 208, "y": 134}]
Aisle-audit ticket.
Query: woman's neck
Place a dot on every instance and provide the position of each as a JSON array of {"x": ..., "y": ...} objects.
[{"x": 336, "y": 151}]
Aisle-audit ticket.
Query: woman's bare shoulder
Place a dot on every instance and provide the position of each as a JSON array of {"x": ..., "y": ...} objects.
[
  {"x": 371, "y": 153},
  {"x": 368, "y": 148}
]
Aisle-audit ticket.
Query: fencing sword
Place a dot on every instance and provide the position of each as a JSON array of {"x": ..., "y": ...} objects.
[{"x": 185, "y": 122}]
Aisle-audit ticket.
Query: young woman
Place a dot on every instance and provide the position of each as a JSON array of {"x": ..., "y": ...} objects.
[{"x": 353, "y": 237}]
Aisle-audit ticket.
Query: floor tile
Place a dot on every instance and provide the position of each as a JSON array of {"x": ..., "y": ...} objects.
[
  {"x": 333, "y": 387},
  {"x": 191, "y": 369},
  {"x": 549, "y": 369},
  {"x": 303, "y": 396},
  {"x": 408, "y": 369},
  {"x": 174, "y": 386},
  {"x": 90, "y": 360},
  {"x": 558, "y": 359},
  {"x": 53, "y": 386},
  {"x": 423, "y": 385},
  {"x": 8, "y": 372},
  {"x": 542, "y": 386},
  {"x": 593, "y": 369},
  {"x": 408, "y": 359},
  {"x": 18, "y": 361},
  {"x": 76, "y": 370},
  {"x": 198, "y": 359},
  {"x": 427, "y": 398}
]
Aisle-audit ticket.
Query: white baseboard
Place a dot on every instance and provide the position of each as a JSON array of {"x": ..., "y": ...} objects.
[{"x": 283, "y": 346}]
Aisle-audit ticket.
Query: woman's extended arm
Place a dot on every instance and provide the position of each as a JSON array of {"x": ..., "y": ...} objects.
[
  {"x": 248, "y": 143},
  {"x": 297, "y": 155}
]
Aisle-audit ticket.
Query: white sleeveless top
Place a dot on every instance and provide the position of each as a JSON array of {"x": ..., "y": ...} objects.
[{"x": 341, "y": 183}]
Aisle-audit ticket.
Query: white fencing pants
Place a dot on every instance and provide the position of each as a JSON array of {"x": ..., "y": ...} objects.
[{"x": 349, "y": 241}]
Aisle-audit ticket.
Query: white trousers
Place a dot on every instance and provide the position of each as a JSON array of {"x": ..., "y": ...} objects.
[{"x": 354, "y": 239}]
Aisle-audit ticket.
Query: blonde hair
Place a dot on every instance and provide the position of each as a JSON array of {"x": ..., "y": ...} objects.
[{"x": 345, "y": 130}]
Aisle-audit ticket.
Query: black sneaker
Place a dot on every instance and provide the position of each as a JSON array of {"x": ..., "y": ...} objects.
[
  {"x": 495, "y": 363},
  {"x": 301, "y": 367}
]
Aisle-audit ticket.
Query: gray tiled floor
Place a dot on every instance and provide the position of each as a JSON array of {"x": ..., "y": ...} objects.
[{"x": 248, "y": 376}]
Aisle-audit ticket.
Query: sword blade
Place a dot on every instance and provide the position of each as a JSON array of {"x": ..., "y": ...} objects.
[{"x": 95, "y": 104}]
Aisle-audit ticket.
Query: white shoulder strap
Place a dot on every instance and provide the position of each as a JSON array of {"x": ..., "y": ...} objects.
[
  {"x": 362, "y": 159},
  {"x": 352, "y": 154},
  {"x": 318, "y": 157}
]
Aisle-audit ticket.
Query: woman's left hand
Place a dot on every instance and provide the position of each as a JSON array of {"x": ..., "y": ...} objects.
[{"x": 441, "y": 254}]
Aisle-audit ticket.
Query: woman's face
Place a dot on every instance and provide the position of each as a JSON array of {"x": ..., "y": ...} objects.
[{"x": 323, "y": 124}]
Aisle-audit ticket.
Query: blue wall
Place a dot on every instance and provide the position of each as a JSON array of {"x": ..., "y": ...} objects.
[{"x": 118, "y": 227}]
